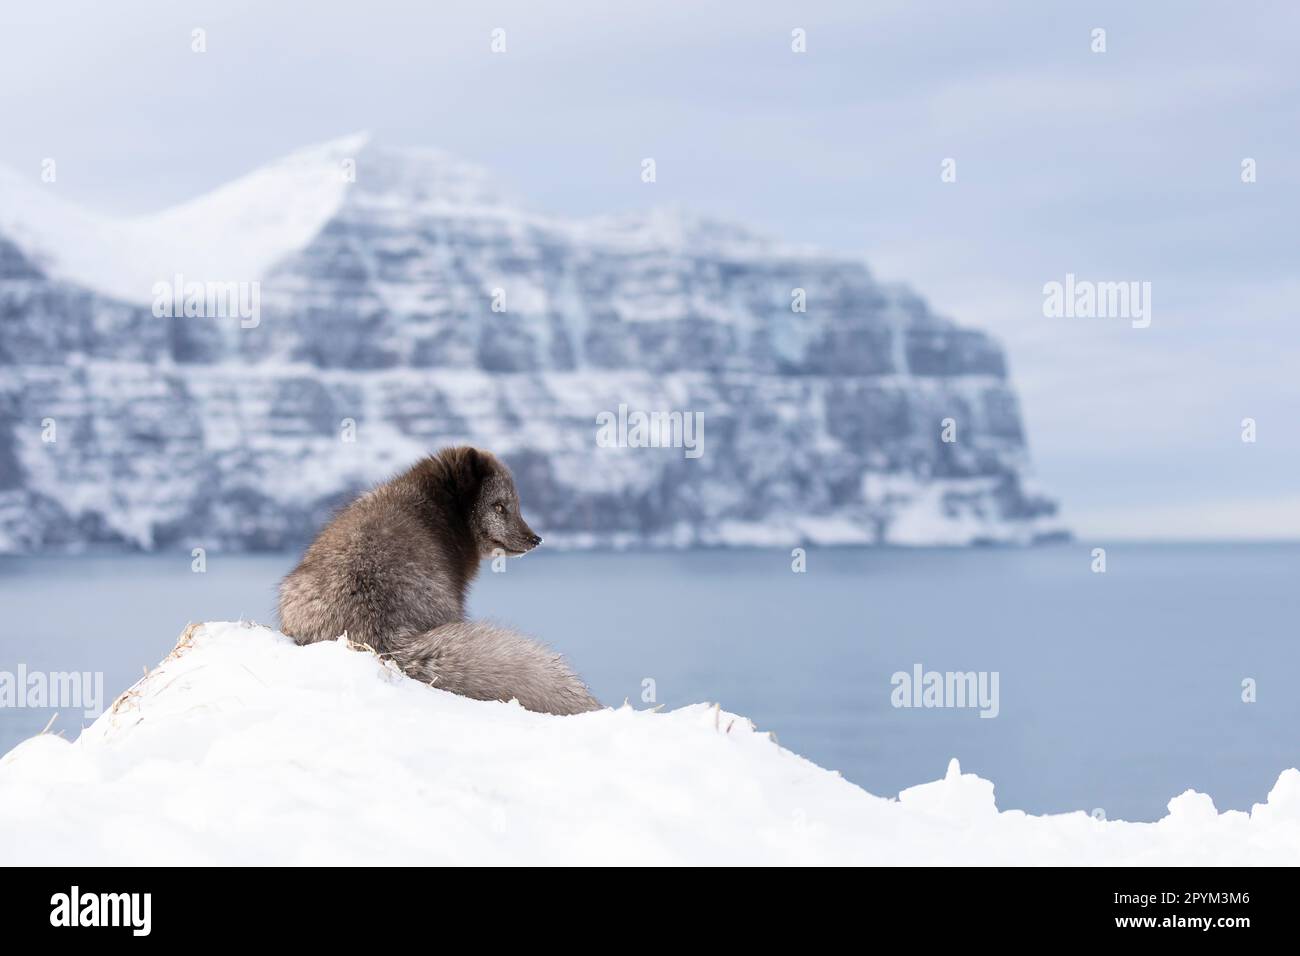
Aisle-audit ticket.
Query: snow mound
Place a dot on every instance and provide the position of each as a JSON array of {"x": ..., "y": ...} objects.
[{"x": 242, "y": 748}]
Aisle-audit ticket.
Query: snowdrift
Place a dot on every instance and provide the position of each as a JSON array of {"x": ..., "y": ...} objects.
[{"x": 242, "y": 748}]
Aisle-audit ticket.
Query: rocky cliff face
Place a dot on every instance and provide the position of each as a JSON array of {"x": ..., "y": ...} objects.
[{"x": 415, "y": 307}]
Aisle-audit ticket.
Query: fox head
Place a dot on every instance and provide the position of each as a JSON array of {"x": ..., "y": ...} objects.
[{"x": 492, "y": 504}]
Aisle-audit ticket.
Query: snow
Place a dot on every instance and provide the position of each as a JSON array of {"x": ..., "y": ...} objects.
[
  {"x": 235, "y": 233},
  {"x": 239, "y": 231},
  {"x": 49, "y": 230},
  {"x": 241, "y": 747}
]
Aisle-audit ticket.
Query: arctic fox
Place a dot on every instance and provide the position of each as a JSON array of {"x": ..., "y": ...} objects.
[{"x": 392, "y": 570}]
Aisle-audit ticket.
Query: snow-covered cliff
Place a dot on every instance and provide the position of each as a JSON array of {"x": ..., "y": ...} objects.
[
  {"x": 404, "y": 304},
  {"x": 243, "y": 748}
]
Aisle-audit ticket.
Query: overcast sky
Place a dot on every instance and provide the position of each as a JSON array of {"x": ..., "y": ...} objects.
[{"x": 1122, "y": 165}]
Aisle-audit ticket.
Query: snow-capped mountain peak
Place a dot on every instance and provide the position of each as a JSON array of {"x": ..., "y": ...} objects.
[
  {"x": 242, "y": 229},
  {"x": 236, "y": 232}
]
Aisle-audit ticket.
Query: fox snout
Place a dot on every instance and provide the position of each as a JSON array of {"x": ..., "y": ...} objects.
[{"x": 517, "y": 538}]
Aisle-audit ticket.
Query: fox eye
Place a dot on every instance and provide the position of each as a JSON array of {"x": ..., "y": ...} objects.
[{"x": 499, "y": 508}]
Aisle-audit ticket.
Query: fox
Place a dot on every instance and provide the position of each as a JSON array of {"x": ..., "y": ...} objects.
[{"x": 393, "y": 569}]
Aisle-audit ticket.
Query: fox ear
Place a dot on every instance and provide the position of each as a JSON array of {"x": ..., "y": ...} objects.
[
  {"x": 480, "y": 462},
  {"x": 475, "y": 467}
]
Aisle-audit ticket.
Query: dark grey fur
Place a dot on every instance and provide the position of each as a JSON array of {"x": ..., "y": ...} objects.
[{"x": 393, "y": 569}]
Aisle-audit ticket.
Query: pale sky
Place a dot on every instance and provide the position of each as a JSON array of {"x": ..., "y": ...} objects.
[{"x": 1122, "y": 165}]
